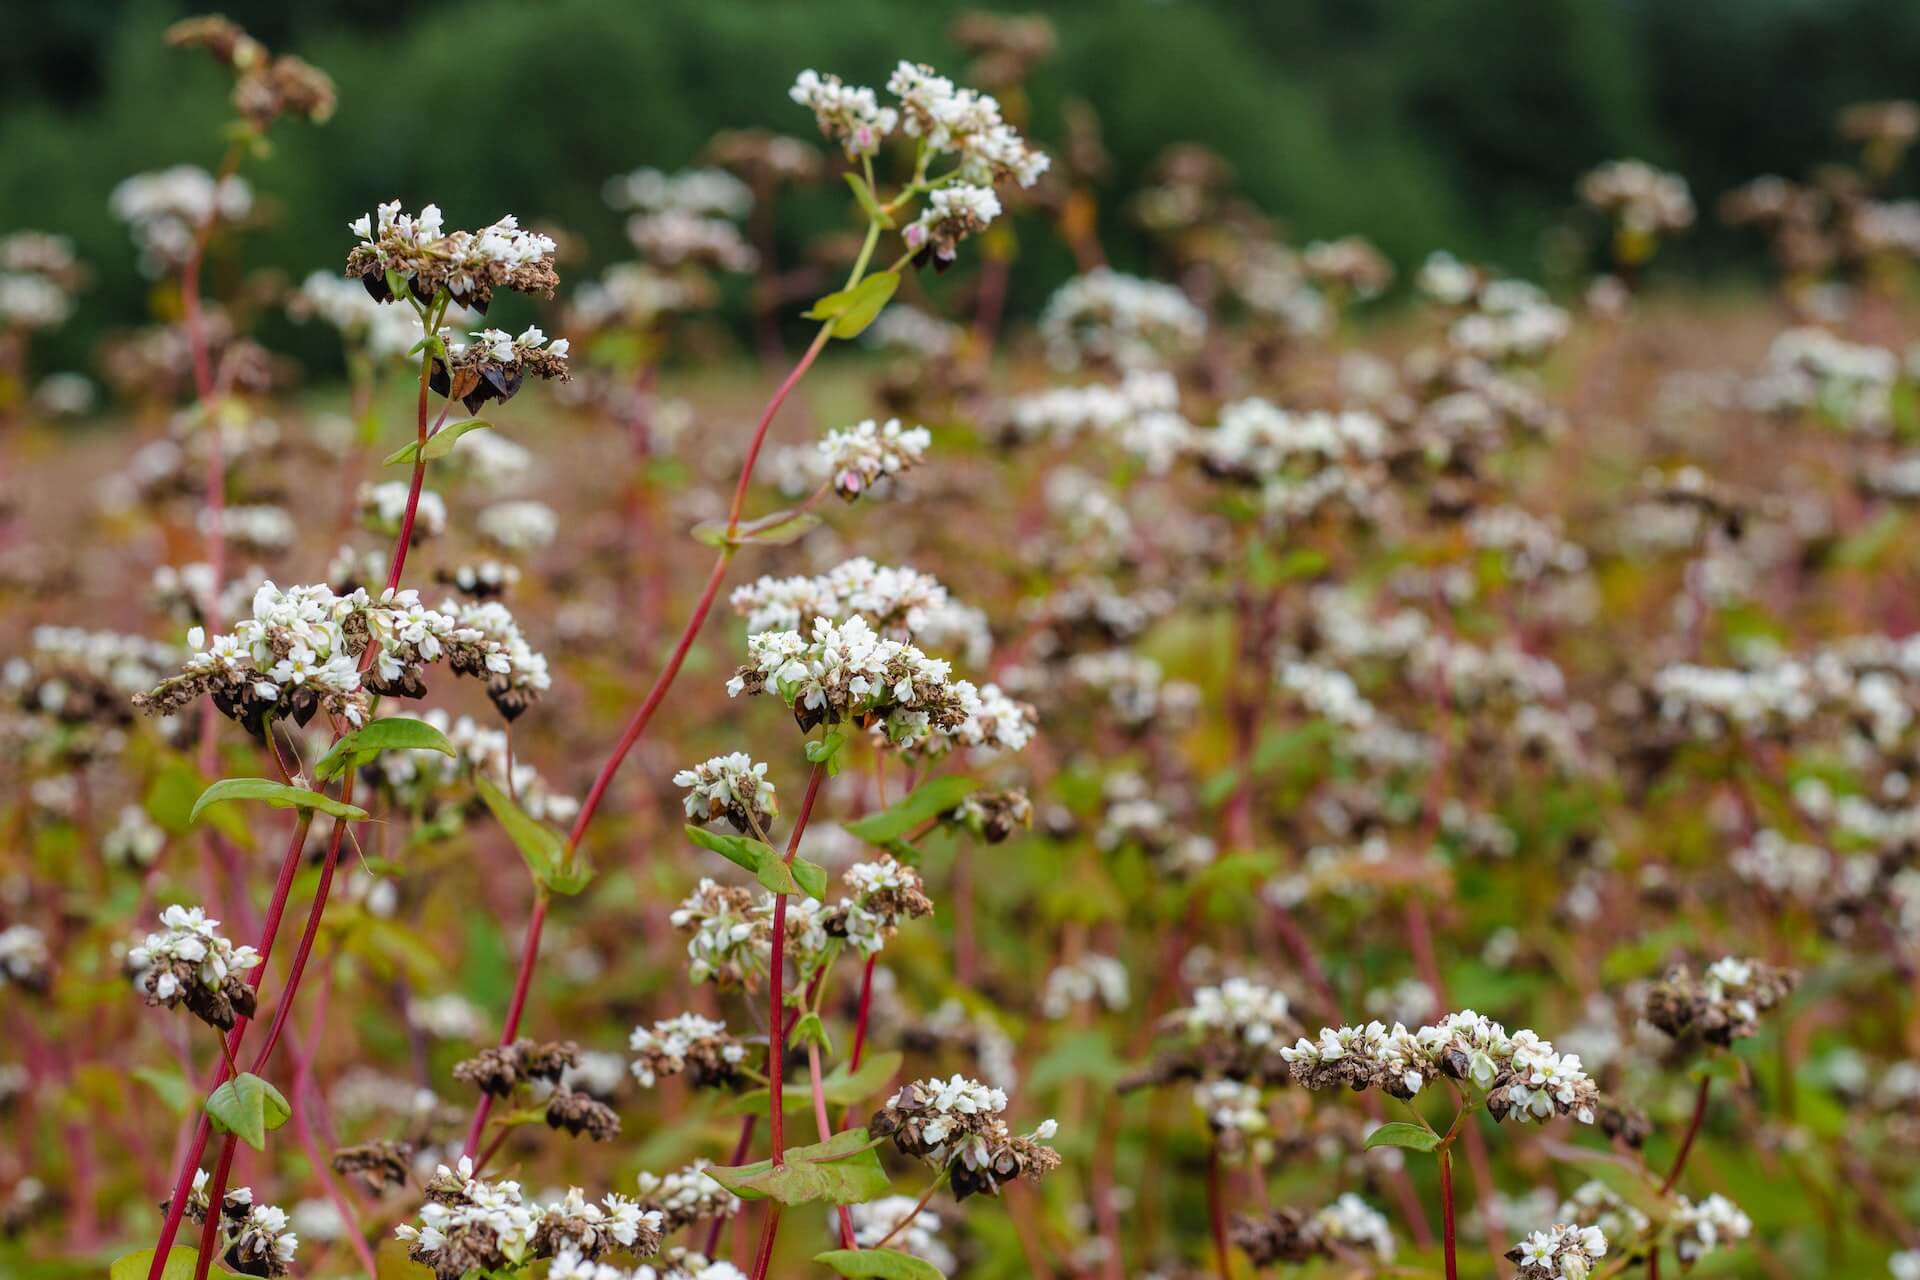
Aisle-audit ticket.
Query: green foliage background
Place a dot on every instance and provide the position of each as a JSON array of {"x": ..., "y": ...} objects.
[{"x": 1420, "y": 123}]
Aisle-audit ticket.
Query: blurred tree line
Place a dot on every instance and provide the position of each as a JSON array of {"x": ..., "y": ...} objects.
[{"x": 1419, "y": 123}]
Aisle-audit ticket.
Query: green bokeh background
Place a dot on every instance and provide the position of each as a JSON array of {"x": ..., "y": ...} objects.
[{"x": 1420, "y": 123}]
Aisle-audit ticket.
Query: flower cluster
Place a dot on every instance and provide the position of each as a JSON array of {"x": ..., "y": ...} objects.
[
  {"x": 1236, "y": 1114},
  {"x": 952, "y": 214},
  {"x": 1349, "y": 1224},
  {"x": 846, "y": 672},
  {"x": 24, "y": 961},
  {"x": 470, "y": 1223},
  {"x": 1559, "y": 1253},
  {"x": 700, "y": 1047},
  {"x": 190, "y": 963},
  {"x": 876, "y": 1220},
  {"x": 959, "y": 1123},
  {"x": 488, "y": 644},
  {"x": 1639, "y": 197},
  {"x": 733, "y": 787},
  {"x": 950, "y": 120},
  {"x": 859, "y": 456},
  {"x": 1234, "y": 1030},
  {"x": 264, "y": 85},
  {"x": 466, "y": 265},
  {"x": 728, "y": 945},
  {"x": 686, "y": 1196},
  {"x": 170, "y": 210},
  {"x": 1720, "y": 1006},
  {"x": 1700, "y": 1228},
  {"x": 1522, "y": 1074},
  {"x": 500, "y": 1069},
  {"x": 1107, "y": 318},
  {"x": 849, "y": 114},
  {"x": 885, "y": 893},
  {"x": 494, "y": 365}
]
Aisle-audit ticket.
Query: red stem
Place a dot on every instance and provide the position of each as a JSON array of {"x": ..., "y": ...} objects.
[
  {"x": 740, "y": 1150},
  {"x": 1446, "y": 1212},
  {"x": 766, "y": 420},
  {"x": 1693, "y": 1131},
  {"x": 826, "y": 1132},
  {"x": 1217, "y": 1213},
  {"x": 776, "y": 975},
  {"x": 866, "y": 1008},
  {"x": 764, "y": 1254},
  {"x": 511, "y": 1027}
]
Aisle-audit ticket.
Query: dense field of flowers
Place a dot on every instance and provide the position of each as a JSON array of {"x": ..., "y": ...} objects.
[{"x": 1203, "y": 783}]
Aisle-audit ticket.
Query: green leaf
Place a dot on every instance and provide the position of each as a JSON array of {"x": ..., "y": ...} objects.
[
  {"x": 869, "y": 204},
  {"x": 826, "y": 750},
  {"x": 811, "y": 877},
  {"x": 845, "y": 1169},
  {"x": 774, "y": 530},
  {"x": 278, "y": 794},
  {"x": 886, "y": 1264},
  {"x": 542, "y": 848},
  {"x": 439, "y": 444},
  {"x": 1401, "y": 1134},
  {"x": 840, "y": 1087},
  {"x": 170, "y": 804},
  {"x": 170, "y": 1085},
  {"x": 929, "y": 800},
  {"x": 180, "y": 1266},
  {"x": 867, "y": 299},
  {"x": 247, "y": 1107},
  {"x": 767, "y": 863},
  {"x": 396, "y": 733}
]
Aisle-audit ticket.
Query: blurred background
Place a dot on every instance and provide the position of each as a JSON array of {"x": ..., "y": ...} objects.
[{"x": 1447, "y": 123}]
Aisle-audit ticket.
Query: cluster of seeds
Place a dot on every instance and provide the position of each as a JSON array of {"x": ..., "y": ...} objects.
[
  {"x": 959, "y": 1124},
  {"x": 1720, "y": 1006}
]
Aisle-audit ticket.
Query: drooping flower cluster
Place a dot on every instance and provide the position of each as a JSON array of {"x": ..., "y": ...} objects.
[
  {"x": 488, "y": 644},
  {"x": 1559, "y": 1253},
  {"x": 169, "y": 210},
  {"x": 859, "y": 456},
  {"x": 885, "y": 893},
  {"x": 686, "y": 1196},
  {"x": 1349, "y": 1224},
  {"x": 190, "y": 963},
  {"x": 733, "y": 787},
  {"x": 1522, "y": 1074},
  {"x": 700, "y": 1047},
  {"x": 959, "y": 1123},
  {"x": 1720, "y": 1006},
  {"x": 845, "y": 672},
  {"x": 500, "y": 1069},
  {"x": 470, "y": 1223},
  {"x": 1640, "y": 197},
  {"x": 265, "y": 85},
  {"x": 952, "y": 214},
  {"x": 1702, "y": 1227},
  {"x": 494, "y": 365},
  {"x": 467, "y": 265}
]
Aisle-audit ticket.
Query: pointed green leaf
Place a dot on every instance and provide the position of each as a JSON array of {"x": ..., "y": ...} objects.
[
  {"x": 929, "y": 800},
  {"x": 744, "y": 851},
  {"x": 1401, "y": 1134},
  {"x": 811, "y": 877},
  {"x": 439, "y": 444},
  {"x": 774, "y": 530},
  {"x": 840, "y": 1087},
  {"x": 395, "y": 733},
  {"x": 809, "y": 1029},
  {"x": 863, "y": 304},
  {"x": 278, "y": 794},
  {"x": 541, "y": 847},
  {"x": 845, "y": 1169},
  {"x": 247, "y": 1106},
  {"x": 884, "y": 1264}
]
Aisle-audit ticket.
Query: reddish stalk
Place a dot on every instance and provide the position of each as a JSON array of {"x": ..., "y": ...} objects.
[
  {"x": 1217, "y": 1214},
  {"x": 1446, "y": 1212},
  {"x": 1693, "y": 1131},
  {"x": 776, "y": 1022},
  {"x": 511, "y": 1027},
  {"x": 826, "y": 1132},
  {"x": 183, "y": 1179},
  {"x": 766, "y": 419},
  {"x": 866, "y": 1009},
  {"x": 740, "y": 1150}
]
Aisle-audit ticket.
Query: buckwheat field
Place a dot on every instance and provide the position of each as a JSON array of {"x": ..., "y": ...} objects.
[{"x": 925, "y": 709}]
